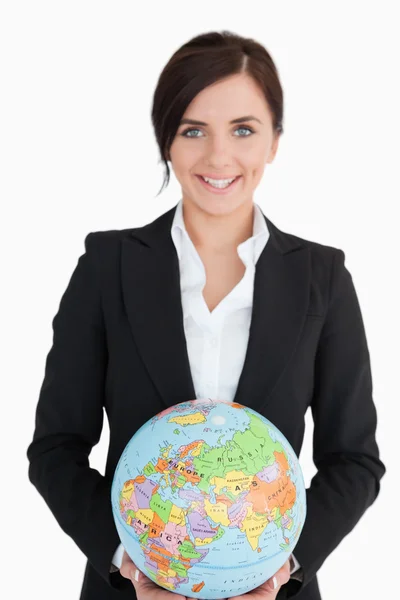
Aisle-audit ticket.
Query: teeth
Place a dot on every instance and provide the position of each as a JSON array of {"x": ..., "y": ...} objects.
[{"x": 219, "y": 183}]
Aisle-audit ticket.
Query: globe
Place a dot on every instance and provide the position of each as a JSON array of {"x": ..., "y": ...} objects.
[{"x": 208, "y": 499}]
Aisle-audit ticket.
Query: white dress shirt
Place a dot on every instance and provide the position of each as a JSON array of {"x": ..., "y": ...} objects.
[{"x": 216, "y": 341}]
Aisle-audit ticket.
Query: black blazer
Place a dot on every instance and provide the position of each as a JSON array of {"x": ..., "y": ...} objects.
[{"x": 119, "y": 346}]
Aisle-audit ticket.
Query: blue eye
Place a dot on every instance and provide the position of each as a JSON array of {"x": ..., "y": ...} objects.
[
  {"x": 190, "y": 130},
  {"x": 184, "y": 134},
  {"x": 244, "y": 129}
]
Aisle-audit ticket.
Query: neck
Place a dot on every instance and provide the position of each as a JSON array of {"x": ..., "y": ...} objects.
[{"x": 218, "y": 233}]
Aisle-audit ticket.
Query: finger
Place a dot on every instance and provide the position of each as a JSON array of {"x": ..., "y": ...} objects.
[
  {"x": 141, "y": 582},
  {"x": 273, "y": 583},
  {"x": 127, "y": 567},
  {"x": 280, "y": 578},
  {"x": 146, "y": 589},
  {"x": 133, "y": 573},
  {"x": 284, "y": 572}
]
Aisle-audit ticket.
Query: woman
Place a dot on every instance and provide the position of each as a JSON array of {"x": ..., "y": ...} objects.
[{"x": 209, "y": 300}]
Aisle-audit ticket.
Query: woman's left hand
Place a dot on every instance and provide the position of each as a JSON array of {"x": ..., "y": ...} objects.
[{"x": 268, "y": 590}]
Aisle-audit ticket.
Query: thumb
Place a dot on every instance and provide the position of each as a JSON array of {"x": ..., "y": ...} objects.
[
  {"x": 132, "y": 572},
  {"x": 135, "y": 575},
  {"x": 128, "y": 569},
  {"x": 280, "y": 578}
]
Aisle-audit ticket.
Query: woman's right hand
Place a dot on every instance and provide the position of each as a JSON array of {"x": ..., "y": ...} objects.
[{"x": 145, "y": 588}]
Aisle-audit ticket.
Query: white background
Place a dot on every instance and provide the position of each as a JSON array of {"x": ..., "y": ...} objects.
[{"x": 78, "y": 154}]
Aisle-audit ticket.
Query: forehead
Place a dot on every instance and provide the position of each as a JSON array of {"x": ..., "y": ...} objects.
[{"x": 228, "y": 99}]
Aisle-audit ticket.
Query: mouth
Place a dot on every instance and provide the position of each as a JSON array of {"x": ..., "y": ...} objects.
[{"x": 221, "y": 186}]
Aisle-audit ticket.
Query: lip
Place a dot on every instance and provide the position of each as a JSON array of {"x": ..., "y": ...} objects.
[
  {"x": 216, "y": 177},
  {"x": 231, "y": 187}
]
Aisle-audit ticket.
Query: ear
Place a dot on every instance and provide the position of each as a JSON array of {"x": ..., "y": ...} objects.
[{"x": 274, "y": 148}]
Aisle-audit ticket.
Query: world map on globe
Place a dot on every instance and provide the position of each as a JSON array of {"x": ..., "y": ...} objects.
[{"x": 208, "y": 499}]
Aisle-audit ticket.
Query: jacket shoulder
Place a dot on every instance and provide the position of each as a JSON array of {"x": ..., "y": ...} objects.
[
  {"x": 320, "y": 253},
  {"x": 103, "y": 248},
  {"x": 327, "y": 264},
  {"x": 327, "y": 268},
  {"x": 111, "y": 238},
  {"x": 100, "y": 241},
  {"x": 107, "y": 237}
]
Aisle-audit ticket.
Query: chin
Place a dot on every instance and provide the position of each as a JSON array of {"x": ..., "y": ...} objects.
[{"x": 217, "y": 206}]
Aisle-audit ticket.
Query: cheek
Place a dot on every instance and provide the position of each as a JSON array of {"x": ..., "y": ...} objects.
[
  {"x": 184, "y": 152},
  {"x": 253, "y": 160},
  {"x": 254, "y": 169},
  {"x": 185, "y": 164}
]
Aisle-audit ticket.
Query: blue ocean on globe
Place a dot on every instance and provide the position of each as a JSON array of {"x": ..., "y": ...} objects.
[{"x": 208, "y": 499}]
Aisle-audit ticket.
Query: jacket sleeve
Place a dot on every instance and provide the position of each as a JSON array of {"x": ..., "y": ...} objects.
[
  {"x": 345, "y": 451},
  {"x": 69, "y": 420}
]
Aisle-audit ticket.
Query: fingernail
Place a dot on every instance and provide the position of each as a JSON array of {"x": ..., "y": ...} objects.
[
  {"x": 135, "y": 574},
  {"x": 274, "y": 582}
]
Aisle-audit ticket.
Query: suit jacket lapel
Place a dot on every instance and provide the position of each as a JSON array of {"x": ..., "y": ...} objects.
[
  {"x": 152, "y": 296},
  {"x": 280, "y": 301}
]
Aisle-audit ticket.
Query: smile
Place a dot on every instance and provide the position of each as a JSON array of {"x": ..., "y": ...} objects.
[{"x": 219, "y": 186}]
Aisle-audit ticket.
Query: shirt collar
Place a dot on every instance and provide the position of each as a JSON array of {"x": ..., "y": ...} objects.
[{"x": 250, "y": 249}]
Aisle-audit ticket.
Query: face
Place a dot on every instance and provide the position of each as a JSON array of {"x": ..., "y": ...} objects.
[{"x": 220, "y": 149}]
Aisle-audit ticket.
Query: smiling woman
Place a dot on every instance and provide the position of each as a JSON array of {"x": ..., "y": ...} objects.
[
  {"x": 225, "y": 150},
  {"x": 210, "y": 300}
]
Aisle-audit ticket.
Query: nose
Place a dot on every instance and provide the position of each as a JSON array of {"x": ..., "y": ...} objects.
[{"x": 218, "y": 153}]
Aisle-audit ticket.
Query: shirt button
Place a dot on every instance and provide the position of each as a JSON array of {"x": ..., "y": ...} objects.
[{"x": 214, "y": 342}]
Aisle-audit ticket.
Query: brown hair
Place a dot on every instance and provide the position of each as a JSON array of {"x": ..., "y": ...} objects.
[{"x": 200, "y": 62}]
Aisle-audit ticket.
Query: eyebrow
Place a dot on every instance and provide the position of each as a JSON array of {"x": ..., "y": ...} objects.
[{"x": 238, "y": 120}]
